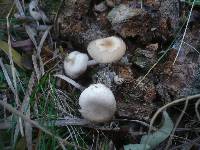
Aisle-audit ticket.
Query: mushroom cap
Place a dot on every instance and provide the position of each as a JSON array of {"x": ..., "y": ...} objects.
[
  {"x": 107, "y": 50},
  {"x": 36, "y": 13},
  {"x": 75, "y": 64},
  {"x": 97, "y": 103}
]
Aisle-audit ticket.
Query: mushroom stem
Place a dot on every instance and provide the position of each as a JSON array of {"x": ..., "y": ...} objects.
[
  {"x": 92, "y": 63},
  {"x": 70, "y": 81}
]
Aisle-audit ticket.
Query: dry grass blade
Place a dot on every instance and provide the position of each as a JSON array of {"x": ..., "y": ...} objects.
[
  {"x": 192, "y": 47},
  {"x": 4, "y": 110},
  {"x": 19, "y": 7},
  {"x": 70, "y": 81},
  {"x": 196, "y": 109},
  {"x": 176, "y": 125},
  {"x": 16, "y": 133},
  {"x": 7, "y": 76},
  {"x": 41, "y": 66},
  {"x": 13, "y": 90},
  {"x": 39, "y": 49},
  {"x": 25, "y": 118},
  {"x": 182, "y": 40},
  {"x": 36, "y": 68},
  {"x": 28, "y": 134},
  {"x": 31, "y": 33},
  {"x": 26, "y": 110},
  {"x": 42, "y": 40},
  {"x": 13, "y": 68}
]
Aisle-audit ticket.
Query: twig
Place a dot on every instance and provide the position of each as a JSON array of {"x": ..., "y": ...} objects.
[
  {"x": 70, "y": 81},
  {"x": 176, "y": 125},
  {"x": 168, "y": 105}
]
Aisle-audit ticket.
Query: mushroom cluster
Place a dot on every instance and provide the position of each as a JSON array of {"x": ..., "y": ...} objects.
[
  {"x": 106, "y": 50},
  {"x": 97, "y": 102}
]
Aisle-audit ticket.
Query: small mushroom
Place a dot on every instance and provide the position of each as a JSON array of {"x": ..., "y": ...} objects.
[
  {"x": 36, "y": 12},
  {"x": 75, "y": 64},
  {"x": 107, "y": 50},
  {"x": 97, "y": 103}
]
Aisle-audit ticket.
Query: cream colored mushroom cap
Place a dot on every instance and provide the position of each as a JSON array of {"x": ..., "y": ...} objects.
[
  {"x": 107, "y": 50},
  {"x": 97, "y": 103},
  {"x": 75, "y": 64}
]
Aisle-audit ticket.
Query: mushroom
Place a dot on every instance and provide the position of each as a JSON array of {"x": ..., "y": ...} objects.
[
  {"x": 107, "y": 50},
  {"x": 75, "y": 64},
  {"x": 97, "y": 103},
  {"x": 36, "y": 12},
  {"x": 104, "y": 50}
]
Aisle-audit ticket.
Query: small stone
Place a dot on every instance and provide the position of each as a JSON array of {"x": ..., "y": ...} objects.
[
  {"x": 101, "y": 7},
  {"x": 118, "y": 80},
  {"x": 122, "y": 13},
  {"x": 112, "y": 3},
  {"x": 145, "y": 58},
  {"x": 104, "y": 75}
]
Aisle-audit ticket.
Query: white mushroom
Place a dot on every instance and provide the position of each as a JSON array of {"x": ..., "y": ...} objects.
[
  {"x": 97, "y": 103},
  {"x": 36, "y": 12},
  {"x": 75, "y": 64},
  {"x": 107, "y": 50}
]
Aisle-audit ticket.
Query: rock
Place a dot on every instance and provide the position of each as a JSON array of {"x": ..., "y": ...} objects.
[
  {"x": 118, "y": 80},
  {"x": 130, "y": 21},
  {"x": 145, "y": 58},
  {"x": 101, "y": 7},
  {"x": 112, "y": 3},
  {"x": 122, "y": 13}
]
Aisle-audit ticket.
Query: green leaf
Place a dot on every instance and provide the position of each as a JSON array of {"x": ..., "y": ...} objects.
[
  {"x": 136, "y": 147},
  {"x": 17, "y": 58},
  {"x": 159, "y": 136}
]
